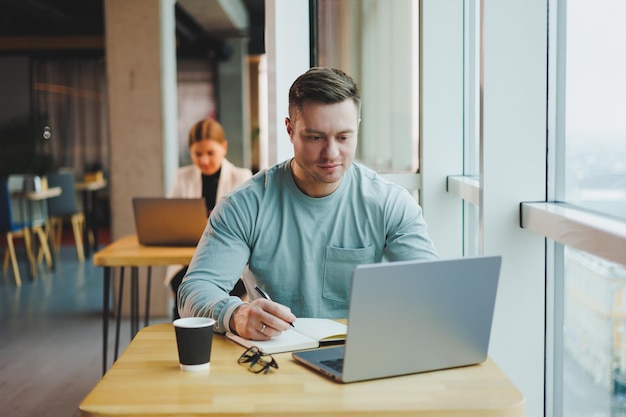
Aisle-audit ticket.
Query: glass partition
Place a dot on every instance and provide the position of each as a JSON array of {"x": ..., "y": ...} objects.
[
  {"x": 595, "y": 105},
  {"x": 376, "y": 42}
]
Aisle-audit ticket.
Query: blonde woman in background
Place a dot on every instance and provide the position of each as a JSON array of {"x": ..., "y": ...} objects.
[{"x": 211, "y": 176}]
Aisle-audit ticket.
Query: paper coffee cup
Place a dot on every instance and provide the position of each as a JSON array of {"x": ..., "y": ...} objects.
[{"x": 194, "y": 336}]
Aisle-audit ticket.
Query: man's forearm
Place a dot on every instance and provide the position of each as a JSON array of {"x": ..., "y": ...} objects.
[{"x": 198, "y": 298}]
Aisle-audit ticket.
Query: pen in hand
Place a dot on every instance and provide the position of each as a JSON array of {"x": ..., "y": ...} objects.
[{"x": 267, "y": 297}]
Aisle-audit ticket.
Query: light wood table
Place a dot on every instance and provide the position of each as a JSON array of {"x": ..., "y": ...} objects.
[
  {"x": 146, "y": 381},
  {"x": 38, "y": 195},
  {"x": 127, "y": 252},
  {"x": 89, "y": 191}
]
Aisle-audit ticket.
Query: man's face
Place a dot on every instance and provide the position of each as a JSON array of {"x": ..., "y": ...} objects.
[
  {"x": 207, "y": 155},
  {"x": 324, "y": 138}
]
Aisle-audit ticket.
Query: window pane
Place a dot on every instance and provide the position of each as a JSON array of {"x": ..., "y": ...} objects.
[
  {"x": 593, "y": 177},
  {"x": 471, "y": 120},
  {"x": 471, "y": 88},
  {"x": 594, "y": 337},
  {"x": 595, "y": 105},
  {"x": 375, "y": 41}
]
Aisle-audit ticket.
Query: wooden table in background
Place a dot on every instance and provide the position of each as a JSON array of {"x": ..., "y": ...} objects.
[
  {"x": 89, "y": 191},
  {"x": 127, "y": 252},
  {"x": 39, "y": 195},
  {"x": 147, "y": 381}
]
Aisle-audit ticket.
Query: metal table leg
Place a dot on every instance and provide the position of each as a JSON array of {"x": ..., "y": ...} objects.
[
  {"x": 105, "y": 316},
  {"x": 134, "y": 302},
  {"x": 148, "y": 283},
  {"x": 118, "y": 318}
]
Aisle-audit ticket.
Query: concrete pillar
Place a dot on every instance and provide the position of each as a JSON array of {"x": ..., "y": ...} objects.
[
  {"x": 136, "y": 33},
  {"x": 141, "y": 73}
]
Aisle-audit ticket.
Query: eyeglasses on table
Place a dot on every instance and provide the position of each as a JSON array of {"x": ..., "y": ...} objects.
[{"x": 257, "y": 361}]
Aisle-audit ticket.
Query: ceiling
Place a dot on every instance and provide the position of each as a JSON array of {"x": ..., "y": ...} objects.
[{"x": 77, "y": 26}]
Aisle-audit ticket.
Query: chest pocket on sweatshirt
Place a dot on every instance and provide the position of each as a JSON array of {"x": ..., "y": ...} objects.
[{"x": 338, "y": 270}]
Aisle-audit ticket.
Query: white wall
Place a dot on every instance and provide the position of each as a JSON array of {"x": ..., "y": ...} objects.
[
  {"x": 287, "y": 45},
  {"x": 441, "y": 139},
  {"x": 513, "y": 170}
]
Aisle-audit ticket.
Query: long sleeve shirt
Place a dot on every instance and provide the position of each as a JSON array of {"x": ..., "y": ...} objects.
[{"x": 301, "y": 250}]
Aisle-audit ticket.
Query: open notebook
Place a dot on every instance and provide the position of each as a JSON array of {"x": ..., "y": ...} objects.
[{"x": 307, "y": 333}]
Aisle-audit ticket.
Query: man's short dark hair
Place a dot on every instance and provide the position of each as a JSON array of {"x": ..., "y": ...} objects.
[{"x": 324, "y": 85}]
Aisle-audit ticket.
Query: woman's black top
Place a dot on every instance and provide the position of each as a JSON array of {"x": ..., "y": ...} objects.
[{"x": 209, "y": 189}]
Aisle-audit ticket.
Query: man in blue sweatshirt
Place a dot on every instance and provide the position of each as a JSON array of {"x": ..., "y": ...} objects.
[{"x": 302, "y": 225}]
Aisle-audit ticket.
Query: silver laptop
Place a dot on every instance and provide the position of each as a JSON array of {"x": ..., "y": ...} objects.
[
  {"x": 161, "y": 221},
  {"x": 413, "y": 316}
]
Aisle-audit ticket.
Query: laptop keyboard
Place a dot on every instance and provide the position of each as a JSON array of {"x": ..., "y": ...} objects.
[{"x": 336, "y": 364}]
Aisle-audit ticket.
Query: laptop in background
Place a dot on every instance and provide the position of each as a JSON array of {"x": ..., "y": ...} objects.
[
  {"x": 161, "y": 221},
  {"x": 413, "y": 316}
]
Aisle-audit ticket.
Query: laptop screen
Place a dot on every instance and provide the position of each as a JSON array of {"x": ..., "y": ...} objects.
[
  {"x": 161, "y": 221},
  {"x": 416, "y": 316}
]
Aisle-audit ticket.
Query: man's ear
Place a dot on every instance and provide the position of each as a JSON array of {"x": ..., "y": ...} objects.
[{"x": 289, "y": 127}]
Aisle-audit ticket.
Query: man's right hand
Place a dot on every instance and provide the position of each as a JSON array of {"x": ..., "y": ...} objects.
[{"x": 261, "y": 319}]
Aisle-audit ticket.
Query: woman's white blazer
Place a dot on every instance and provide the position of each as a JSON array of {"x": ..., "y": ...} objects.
[{"x": 188, "y": 184}]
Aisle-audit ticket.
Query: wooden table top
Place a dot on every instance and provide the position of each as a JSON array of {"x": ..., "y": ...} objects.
[
  {"x": 39, "y": 195},
  {"x": 127, "y": 251},
  {"x": 146, "y": 380},
  {"x": 90, "y": 185}
]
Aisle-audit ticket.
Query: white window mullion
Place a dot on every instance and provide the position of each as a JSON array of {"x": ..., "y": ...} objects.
[{"x": 512, "y": 167}]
